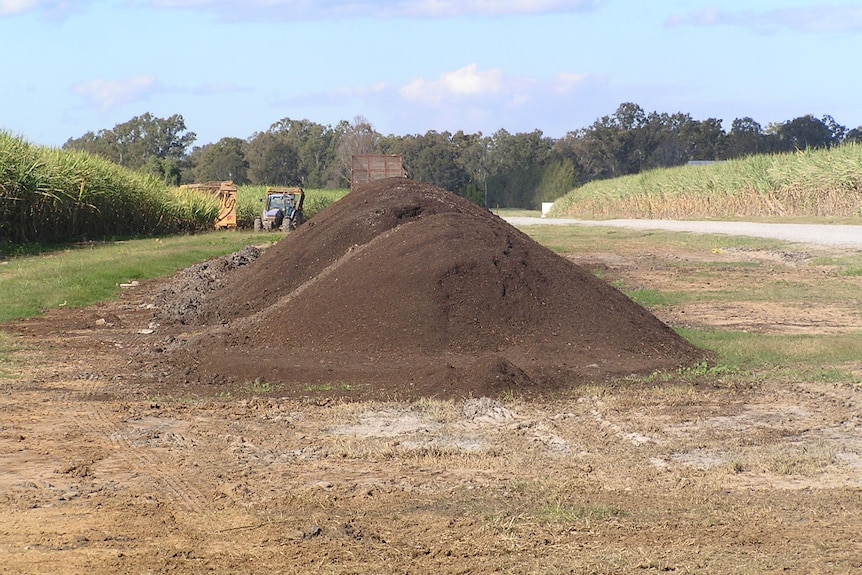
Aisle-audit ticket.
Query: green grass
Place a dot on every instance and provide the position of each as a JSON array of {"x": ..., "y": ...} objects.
[
  {"x": 588, "y": 239},
  {"x": 558, "y": 512},
  {"x": 822, "y": 357},
  {"x": 81, "y": 276},
  {"x": 324, "y": 387},
  {"x": 7, "y": 346},
  {"x": 848, "y": 265},
  {"x": 651, "y": 298},
  {"x": 516, "y": 212},
  {"x": 260, "y": 387},
  {"x": 796, "y": 294}
]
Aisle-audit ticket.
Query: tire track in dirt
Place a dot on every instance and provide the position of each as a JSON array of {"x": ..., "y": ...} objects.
[
  {"x": 99, "y": 428},
  {"x": 607, "y": 426},
  {"x": 179, "y": 490},
  {"x": 104, "y": 419}
]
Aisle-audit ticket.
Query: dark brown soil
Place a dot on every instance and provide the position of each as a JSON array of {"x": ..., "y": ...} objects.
[{"x": 404, "y": 290}]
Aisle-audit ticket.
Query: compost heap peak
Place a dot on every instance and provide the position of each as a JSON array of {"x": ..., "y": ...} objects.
[{"x": 403, "y": 290}]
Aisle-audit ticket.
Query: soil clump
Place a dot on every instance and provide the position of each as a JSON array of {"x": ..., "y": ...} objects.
[{"x": 404, "y": 290}]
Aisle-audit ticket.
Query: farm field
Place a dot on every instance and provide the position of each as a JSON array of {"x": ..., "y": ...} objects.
[{"x": 753, "y": 465}]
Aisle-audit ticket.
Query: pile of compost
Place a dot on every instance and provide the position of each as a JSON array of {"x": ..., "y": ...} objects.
[{"x": 404, "y": 290}]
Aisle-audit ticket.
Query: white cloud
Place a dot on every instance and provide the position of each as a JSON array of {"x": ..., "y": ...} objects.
[
  {"x": 455, "y": 8},
  {"x": 190, "y": 3},
  {"x": 108, "y": 94},
  {"x": 822, "y": 18},
  {"x": 213, "y": 88},
  {"x": 469, "y": 99},
  {"x": 50, "y": 9},
  {"x": 819, "y": 18},
  {"x": 466, "y": 82},
  {"x": 567, "y": 82},
  {"x": 474, "y": 85},
  {"x": 13, "y": 7},
  {"x": 295, "y": 10},
  {"x": 361, "y": 91}
]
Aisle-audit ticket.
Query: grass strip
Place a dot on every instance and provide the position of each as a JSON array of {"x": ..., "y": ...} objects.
[{"x": 84, "y": 275}]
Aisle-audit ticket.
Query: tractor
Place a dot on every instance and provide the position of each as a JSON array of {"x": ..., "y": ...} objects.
[{"x": 282, "y": 210}]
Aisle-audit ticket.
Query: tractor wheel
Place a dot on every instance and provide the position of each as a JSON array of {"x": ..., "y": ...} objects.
[
  {"x": 297, "y": 220},
  {"x": 258, "y": 225}
]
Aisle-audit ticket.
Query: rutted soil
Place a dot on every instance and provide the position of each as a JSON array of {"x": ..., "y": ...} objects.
[{"x": 108, "y": 467}]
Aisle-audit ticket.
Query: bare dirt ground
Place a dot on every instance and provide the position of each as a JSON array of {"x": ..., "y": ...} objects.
[{"x": 103, "y": 470}]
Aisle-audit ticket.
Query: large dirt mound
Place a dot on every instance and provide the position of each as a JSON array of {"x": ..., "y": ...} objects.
[{"x": 401, "y": 290}]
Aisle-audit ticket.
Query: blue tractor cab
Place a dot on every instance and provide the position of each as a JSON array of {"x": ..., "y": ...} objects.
[{"x": 282, "y": 210}]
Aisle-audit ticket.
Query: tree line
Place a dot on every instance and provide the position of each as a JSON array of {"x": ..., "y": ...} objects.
[{"x": 503, "y": 169}]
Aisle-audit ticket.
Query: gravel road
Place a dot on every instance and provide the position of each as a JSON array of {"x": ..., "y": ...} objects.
[{"x": 821, "y": 234}]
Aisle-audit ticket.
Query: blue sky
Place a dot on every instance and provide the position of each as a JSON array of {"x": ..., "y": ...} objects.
[{"x": 232, "y": 68}]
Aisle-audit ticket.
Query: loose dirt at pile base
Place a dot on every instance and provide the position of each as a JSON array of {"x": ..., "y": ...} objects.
[{"x": 105, "y": 469}]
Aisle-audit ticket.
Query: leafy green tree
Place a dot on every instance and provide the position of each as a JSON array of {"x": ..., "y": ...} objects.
[
  {"x": 273, "y": 160},
  {"x": 837, "y": 130},
  {"x": 631, "y": 141},
  {"x": 664, "y": 140},
  {"x": 854, "y": 135},
  {"x": 473, "y": 193},
  {"x": 473, "y": 155},
  {"x": 224, "y": 160},
  {"x": 168, "y": 170},
  {"x": 571, "y": 148},
  {"x": 517, "y": 163},
  {"x": 432, "y": 158},
  {"x": 670, "y": 151},
  {"x": 807, "y": 132},
  {"x": 745, "y": 138},
  {"x": 315, "y": 145},
  {"x": 154, "y": 145},
  {"x": 558, "y": 178},
  {"x": 503, "y": 169},
  {"x": 629, "y": 117},
  {"x": 132, "y": 143},
  {"x": 617, "y": 145},
  {"x": 704, "y": 140}
]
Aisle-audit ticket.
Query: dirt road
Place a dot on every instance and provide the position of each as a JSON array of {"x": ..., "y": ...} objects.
[
  {"x": 103, "y": 472},
  {"x": 828, "y": 235}
]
